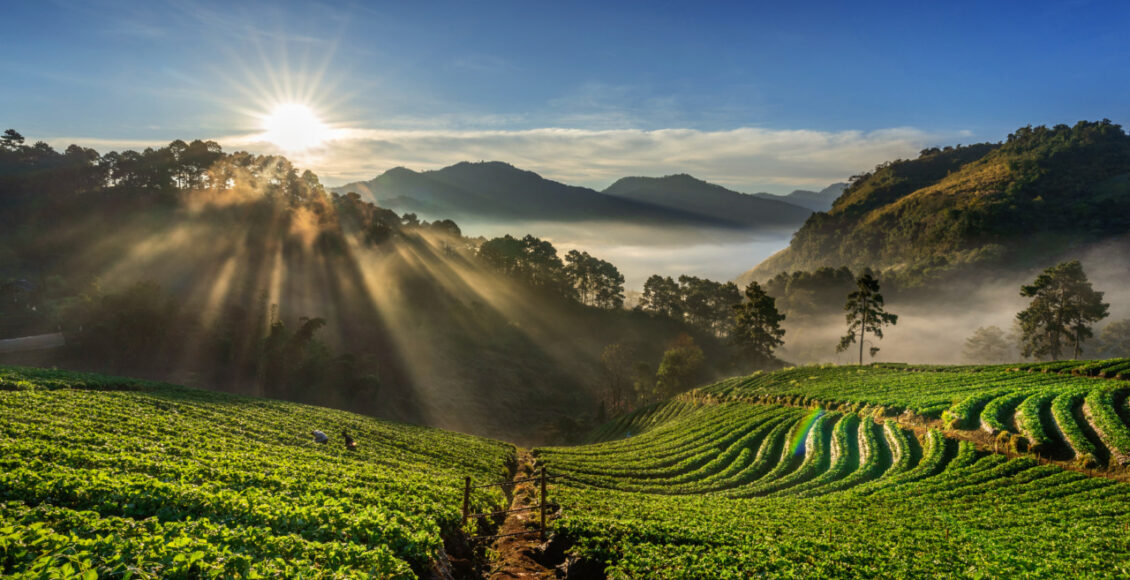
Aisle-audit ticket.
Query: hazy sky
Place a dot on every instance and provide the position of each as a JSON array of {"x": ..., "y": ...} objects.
[{"x": 758, "y": 96}]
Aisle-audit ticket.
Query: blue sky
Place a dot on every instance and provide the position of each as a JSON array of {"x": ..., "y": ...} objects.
[{"x": 756, "y": 96}]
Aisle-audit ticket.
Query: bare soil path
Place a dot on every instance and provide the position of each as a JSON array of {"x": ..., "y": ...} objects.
[{"x": 518, "y": 555}]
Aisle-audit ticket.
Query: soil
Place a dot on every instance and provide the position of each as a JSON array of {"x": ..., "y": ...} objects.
[{"x": 523, "y": 556}]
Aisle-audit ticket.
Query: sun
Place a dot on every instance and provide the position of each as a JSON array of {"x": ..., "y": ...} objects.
[{"x": 295, "y": 127}]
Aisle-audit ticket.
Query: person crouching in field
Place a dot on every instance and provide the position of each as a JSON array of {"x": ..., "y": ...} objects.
[
  {"x": 350, "y": 444},
  {"x": 320, "y": 437}
]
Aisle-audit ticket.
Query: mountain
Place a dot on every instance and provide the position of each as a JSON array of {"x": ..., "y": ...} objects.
[
  {"x": 813, "y": 200},
  {"x": 496, "y": 190},
  {"x": 685, "y": 193},
  {"x": 1043, "y": 193}
]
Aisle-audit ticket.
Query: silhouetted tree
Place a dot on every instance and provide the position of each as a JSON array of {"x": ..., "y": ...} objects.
[
  {"x": 11, "y": 139},
  {"x": 757, "y": 326},
  {"x": 708, "y": 304},
  {"x": 530, "y": 259},
  {"x": 1063, "y": 306},
  {"x": 865, "y": 314},
  {"x": 661, "y": 296},
  {"x": 597, "y": 283}
]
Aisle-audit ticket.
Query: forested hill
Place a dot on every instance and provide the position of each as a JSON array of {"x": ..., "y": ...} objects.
[
  {"x": 1041, "y": 193},
  {"x": 241, "y": 272}
]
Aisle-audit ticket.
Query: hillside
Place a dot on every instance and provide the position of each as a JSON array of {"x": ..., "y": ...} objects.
[
  {"x": 686, "y": 193},
  {"x": 813, "y": 471},
  {"x": 239, "y": 272},
  {"x": 1042, "y": 193},
  {"x": 109, "y": 477},
  {"x": 814, "y": 200},
  {"x": 851, "y": 472},
  {"x": 499, "y": 191}
]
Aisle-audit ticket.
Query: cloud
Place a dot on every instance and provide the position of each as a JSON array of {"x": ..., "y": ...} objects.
[{"x": 746, "y": 159}]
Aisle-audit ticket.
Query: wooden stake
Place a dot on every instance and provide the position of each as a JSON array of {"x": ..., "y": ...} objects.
[
  {"x": 543, "y": 500},
  {"x": 466, "y": 499}
]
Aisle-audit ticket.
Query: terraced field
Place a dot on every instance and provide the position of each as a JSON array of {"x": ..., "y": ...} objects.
[
  {"x": 1042, "y": 409},
  {"x": 754, "y": 476},
  {"x": 116, "y": 478},
  {"x": 810, "y": 472}
]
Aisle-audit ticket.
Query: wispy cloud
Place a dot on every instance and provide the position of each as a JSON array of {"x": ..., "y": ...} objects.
[{"x": 745, "y": 159}]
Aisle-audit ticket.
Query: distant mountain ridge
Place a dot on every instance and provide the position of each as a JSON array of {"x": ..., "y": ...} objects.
[
  {"x": 813, "y": 200},
  {"x": 1042, "y": 194},
  {"x": 687, "y": 193},
  {"x": 497, "y": 190}
]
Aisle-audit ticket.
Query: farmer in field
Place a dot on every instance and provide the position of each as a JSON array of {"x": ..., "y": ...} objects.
[
  {"x": 320, "y": 437},
  {"x": 350, "y": 444}
]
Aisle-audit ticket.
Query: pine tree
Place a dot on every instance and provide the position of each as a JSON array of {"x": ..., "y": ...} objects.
[
  {"x": 757, "y": 325},
  {"x": 1062, "y": 309},
  {"x": 865, "y": 314}
]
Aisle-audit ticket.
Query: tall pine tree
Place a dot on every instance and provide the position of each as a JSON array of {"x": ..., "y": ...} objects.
[
  {"x": 865, "y": 314},
  {"x": 757, "y": 326},
  {"x": 1061, "y": 312}
]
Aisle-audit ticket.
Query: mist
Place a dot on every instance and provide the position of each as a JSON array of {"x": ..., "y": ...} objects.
[
  {"x": 640, "y": 251},
  {"x": 934, "y": 323}
]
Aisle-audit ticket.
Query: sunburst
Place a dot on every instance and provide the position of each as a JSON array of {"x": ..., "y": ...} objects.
[{"x": 294, "y": 127}]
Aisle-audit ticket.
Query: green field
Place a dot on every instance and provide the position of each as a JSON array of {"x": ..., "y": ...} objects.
[
  {"x": 1063, "y": 410},
  {"x": 820, "y": 472},
  {"x": 879, "y": 471},
  {"x": 104, "y": 477}
]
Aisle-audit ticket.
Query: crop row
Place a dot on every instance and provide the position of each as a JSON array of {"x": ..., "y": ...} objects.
[
  {"x": 748, "y": 450},
  {"x": 1041, "y": 412},
  {"x": 199, "y": 484},
  {"x": 844, "y": 493}
]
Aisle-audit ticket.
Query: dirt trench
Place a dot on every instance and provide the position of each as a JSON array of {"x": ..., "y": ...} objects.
[{"x": 527, "y": 554}]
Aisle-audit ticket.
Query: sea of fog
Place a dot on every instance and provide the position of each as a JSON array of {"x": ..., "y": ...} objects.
[{"x": 640, "y": 251}]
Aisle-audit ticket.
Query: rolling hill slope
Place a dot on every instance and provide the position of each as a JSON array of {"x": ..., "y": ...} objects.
[
  {"x": 841, "y": 472},
  {"x": 885, "y": 471},
  {"x": 108, "y": 477},
  {"x": 1043, "y": 193}
]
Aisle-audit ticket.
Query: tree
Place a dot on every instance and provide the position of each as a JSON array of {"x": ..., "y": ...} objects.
[
  {"x": 597, "y": 283},
  {"x": 1115, "y": 339},
  {"x": 1062, "y": 309},
  {"x": 617, "y": 362},
  {"x": 757, "y": 326},
  {"x": 988, "y": 344},
  {"x": 865, "y": 314},
  {"x": 661, "y": 295},
  {"x": 680, "y": 366},
  {"x": 11, "y": 139},
  {"x": 708, "y": 304},
  {"x": 529, "y": 259},
  {"x": 643, "y": 382}
]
